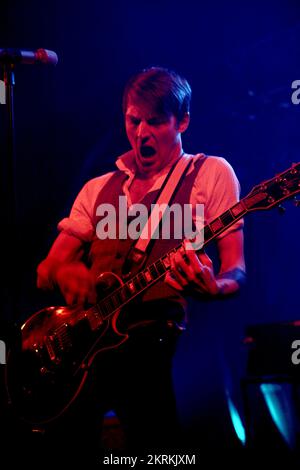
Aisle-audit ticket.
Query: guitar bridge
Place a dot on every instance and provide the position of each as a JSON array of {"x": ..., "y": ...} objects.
[{"x": 94, "y": 318}]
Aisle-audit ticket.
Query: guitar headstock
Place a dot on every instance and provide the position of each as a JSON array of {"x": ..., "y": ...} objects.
[{"x": 275, "y": 190}]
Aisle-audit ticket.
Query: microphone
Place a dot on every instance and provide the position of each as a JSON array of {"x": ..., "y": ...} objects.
[{"x": 18, "y": 56}]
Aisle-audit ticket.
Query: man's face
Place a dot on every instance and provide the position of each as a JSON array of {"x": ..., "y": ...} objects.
[{"x": 155, "y": 138}]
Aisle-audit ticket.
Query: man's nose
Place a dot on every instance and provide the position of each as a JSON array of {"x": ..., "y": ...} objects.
[{"x": 143, "y": 131}]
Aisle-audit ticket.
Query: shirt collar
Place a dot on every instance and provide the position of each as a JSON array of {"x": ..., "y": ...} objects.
[{"x": 126, "y": 162}]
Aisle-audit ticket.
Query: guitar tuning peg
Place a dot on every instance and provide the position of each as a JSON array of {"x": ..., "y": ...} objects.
[
  {"x": 281, "y": 209},
  {"x": 296, "y": 202}
]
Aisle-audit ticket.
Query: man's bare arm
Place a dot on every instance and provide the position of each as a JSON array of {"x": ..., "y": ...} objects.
[{"x": 63, "y": 267}]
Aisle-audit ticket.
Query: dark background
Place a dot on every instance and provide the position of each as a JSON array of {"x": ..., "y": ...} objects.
[{"x": 240, "y": 59}]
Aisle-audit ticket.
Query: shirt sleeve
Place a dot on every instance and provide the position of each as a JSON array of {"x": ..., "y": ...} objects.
[
  {"x": 80, "y": 221},
  {"x": 218, "y": 188}
]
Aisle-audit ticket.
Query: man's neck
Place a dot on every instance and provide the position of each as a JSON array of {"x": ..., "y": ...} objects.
[{"x": 149, "y": 175}]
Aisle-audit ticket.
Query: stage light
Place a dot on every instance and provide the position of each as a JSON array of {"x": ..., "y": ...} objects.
[
  {"x": 280, "y": 404},
  {"x": 236, "y": 421}
]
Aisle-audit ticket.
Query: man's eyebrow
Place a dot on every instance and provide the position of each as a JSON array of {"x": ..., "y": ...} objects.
[
  {"x": 150, "y": 118},
  {"x": 133, "y": 117}
]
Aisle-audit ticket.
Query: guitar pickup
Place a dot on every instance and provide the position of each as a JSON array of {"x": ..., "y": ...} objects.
[
  {"x": 58, "y": 342},
  {"x": 50, "y": 348}
]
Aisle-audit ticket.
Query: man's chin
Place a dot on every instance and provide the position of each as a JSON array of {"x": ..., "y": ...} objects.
[{"x": 147, "y": 164}]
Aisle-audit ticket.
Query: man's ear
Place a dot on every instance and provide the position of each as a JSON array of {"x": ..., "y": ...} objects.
[{"x": 184, "y": 123}]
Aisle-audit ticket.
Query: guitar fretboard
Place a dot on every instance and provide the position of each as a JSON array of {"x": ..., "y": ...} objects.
[
  {"x": 264, "y": 196},
  {"x": 155, "y": 271}
]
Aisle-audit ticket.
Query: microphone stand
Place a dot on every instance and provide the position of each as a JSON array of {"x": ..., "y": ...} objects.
[
  {"x": 8, "y": 60},
  {"x": 9, "y": 210}
]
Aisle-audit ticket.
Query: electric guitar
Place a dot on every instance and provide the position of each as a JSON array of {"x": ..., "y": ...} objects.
[{"x": 58, "y": 344}]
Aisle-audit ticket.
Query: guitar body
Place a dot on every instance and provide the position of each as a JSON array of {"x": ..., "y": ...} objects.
[{"x": 48, "y": 368}]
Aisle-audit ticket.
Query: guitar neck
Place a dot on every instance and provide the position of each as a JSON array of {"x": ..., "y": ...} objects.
[
  {"x": 264, "y": 196},
  {"x": 155, "y": 271}
]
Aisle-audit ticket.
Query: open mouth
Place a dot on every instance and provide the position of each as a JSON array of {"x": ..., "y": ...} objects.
[{"x": 147, "y": 151}]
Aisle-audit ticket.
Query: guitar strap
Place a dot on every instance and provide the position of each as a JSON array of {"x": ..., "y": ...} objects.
[{"x": 178, "y": 171}]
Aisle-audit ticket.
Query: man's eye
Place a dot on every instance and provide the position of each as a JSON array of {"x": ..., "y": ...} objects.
[
  {"x": 156, "y": 121},
  {"x": 134, "y": 121},
  {"x": 153, "y": 122}
]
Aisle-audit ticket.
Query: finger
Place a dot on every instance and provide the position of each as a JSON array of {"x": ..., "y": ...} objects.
[
  {"x": 69, "y": 297},
  {"x": 210, "y": 280},
  {"x": 80, "y": 301},
  {"x": 182, "y": 262},
  {"x": 191, "y": 268},
  {"x": 201, "y": 271},
  {"x": 82, "y": 297},
  {"x": 172, "y": 282},
  {"x": 185, "y": 252},
  {"x": 195, "y": 266},
  {"x": 179, "y": 271},
  {"x": 86, "y": 292},
  {"x": 205, "y": 259},
  {"x": 92, "y": 296},
  {"x": 201, "y": 274}
]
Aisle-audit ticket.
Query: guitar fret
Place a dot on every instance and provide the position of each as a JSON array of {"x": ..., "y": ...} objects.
[
  {"x": 160, "y": 267},
  {"x": 227, "y": 218},
  {"x": 153, "y": 271},
  {"x": 136, "y": 284},
  {"x": 131, "y": 286},
  {"x": 250, "y": 201},
  {"x": 104, "y": 308},
  {"x": 216, "y": 225},
  {"x": 148, "y": 275},
  {"x": 237, "y": 210},
  {"x": 113, "y": 301},
  {"x": 118, "y": 298},
  {"x": 108, "y": 304},
  {"x": 166, "y": 262},
  {"x": 97, "y": 306},
  {"x": 125, "y": 293},
  {"x": 142, "y": 280},
  {"x": 208, "y": 233}
]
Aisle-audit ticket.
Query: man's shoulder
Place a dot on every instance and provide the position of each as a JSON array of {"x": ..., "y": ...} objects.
[
  {"x": 215, "y": 170},
  {"x": 98, "y": 182},
  {"x": 212, "y": 163},
  {"x": 212, "y": 160},
  {"x": 92, "y": 187}
]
